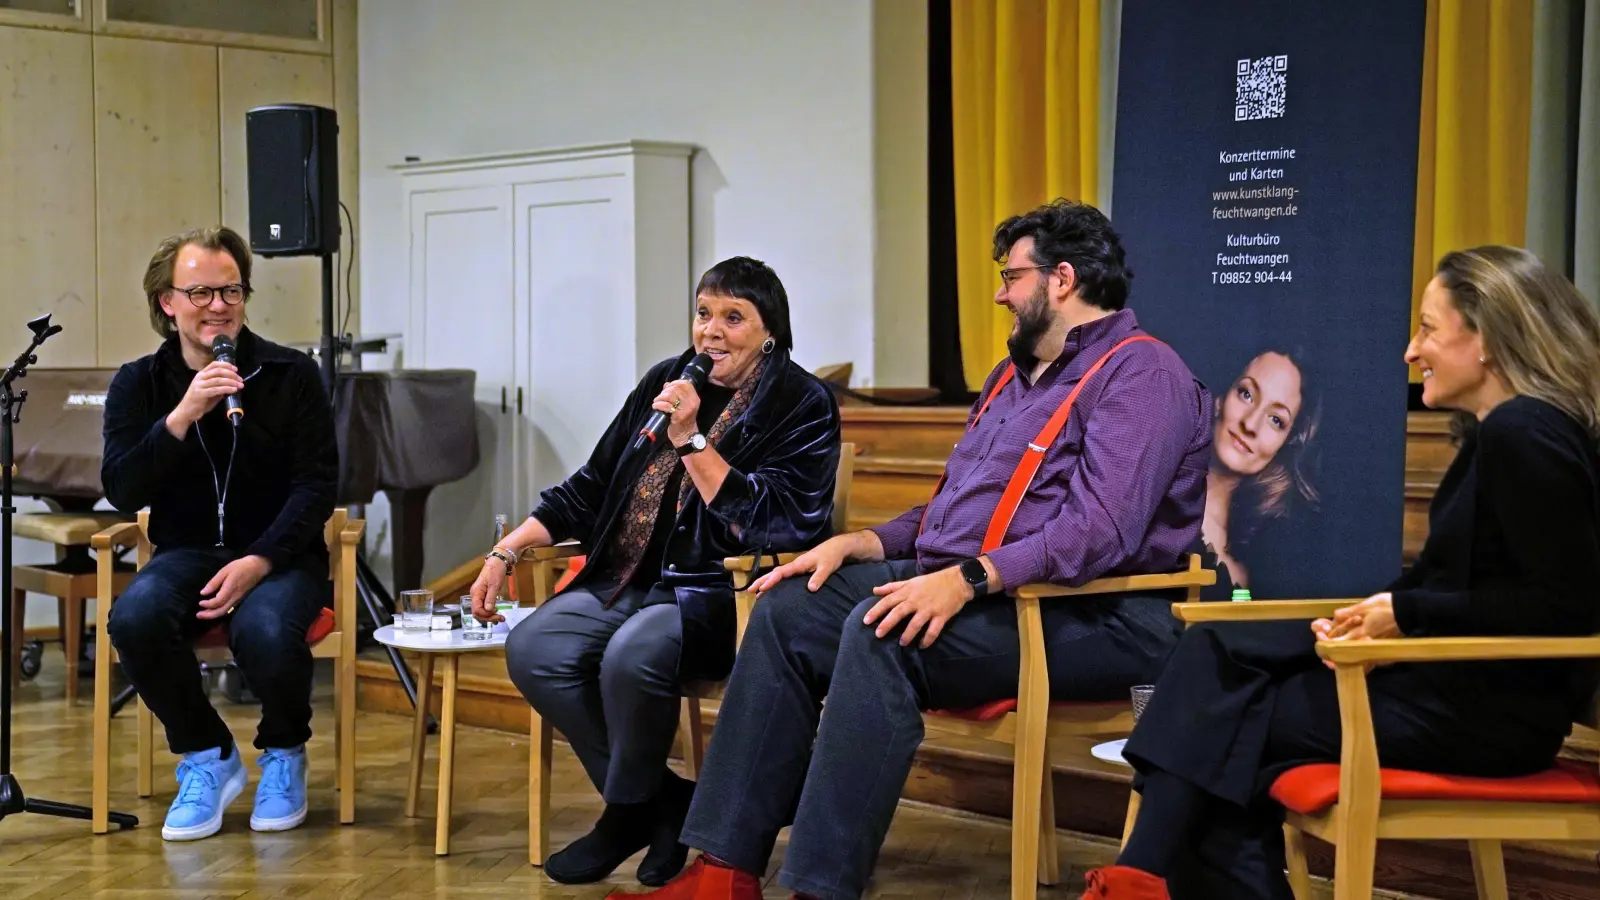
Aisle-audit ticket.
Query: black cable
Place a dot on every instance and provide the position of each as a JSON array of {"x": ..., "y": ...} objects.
[{"x": 350, "y": 265}]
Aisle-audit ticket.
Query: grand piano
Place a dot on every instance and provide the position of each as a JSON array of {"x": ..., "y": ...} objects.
[{"x": 401, "y": 432}]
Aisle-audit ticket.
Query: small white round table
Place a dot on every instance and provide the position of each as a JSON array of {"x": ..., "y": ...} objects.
[
  {"x": 1110, "y": 751},
  {"x": 449, "y": 645}
]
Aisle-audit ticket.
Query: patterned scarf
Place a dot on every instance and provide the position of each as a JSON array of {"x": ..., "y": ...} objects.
[{"x": 629, "y": 542}]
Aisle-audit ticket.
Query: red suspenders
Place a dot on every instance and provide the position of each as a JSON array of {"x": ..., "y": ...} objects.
[{"x": 1033, "y": 457}]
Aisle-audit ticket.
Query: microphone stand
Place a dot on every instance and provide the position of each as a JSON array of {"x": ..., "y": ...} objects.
[{"x": 12, "y": 799}]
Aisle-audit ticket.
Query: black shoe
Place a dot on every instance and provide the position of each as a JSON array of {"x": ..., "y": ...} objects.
[
  {"x": 622, "y": 831},
  {"x": 666, "y": 856}
]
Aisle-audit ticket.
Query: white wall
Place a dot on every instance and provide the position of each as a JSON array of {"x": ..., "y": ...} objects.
[
  {"x": 779, "y": 95},
  {"x": 811, "y": 118}
]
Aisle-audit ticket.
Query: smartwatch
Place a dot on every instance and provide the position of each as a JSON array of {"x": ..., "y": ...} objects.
[
  {"x": 695, "y": 444},
  {"x": 973, "y": 572}
]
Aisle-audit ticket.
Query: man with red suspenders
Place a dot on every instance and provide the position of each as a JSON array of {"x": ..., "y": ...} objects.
[{"x": 1085, "y": 456}]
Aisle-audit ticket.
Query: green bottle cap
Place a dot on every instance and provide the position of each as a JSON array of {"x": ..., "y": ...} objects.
[{"x": 1241, "y": 593}]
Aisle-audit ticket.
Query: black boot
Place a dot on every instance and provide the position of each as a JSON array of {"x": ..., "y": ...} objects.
[
  {"x": 666, "y": 856},
  {"x": 623, "y": 830}
]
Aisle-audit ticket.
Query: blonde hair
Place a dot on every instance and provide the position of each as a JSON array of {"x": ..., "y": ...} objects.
[
  {"x": 1540, "y": 334},
  {"x": 158, "y": 274}
]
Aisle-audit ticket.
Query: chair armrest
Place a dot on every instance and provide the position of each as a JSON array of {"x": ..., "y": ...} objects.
[
  {"x": 1258, "y": 610},
  {"x": 353, "y": 529},
  {"x": 563, "y": 550},
  {"x": 1353, "y": 653},
  {"x": 123, "y": 534},
  {"x": 742, "y": 567},
  {"x": 1122, "y": 584}
]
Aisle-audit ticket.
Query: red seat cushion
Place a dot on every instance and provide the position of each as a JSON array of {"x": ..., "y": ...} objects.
[
  {"x": 574, "y": 566},
  {"x": 1312, "y": 789},
  {"x": 217, "y": 638},
  {"x": 991, "y": 711}
]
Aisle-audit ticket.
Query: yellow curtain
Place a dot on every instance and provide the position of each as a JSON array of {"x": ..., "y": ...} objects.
[
  {"x": 1025, "y": 87},
  {"x": 1472, "y": 154}
]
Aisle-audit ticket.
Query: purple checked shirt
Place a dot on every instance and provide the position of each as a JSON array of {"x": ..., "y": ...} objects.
[{"x": 1120, "y": 491}]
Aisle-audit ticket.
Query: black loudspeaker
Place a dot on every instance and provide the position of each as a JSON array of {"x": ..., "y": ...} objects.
[{"x": 292, "y": 152}]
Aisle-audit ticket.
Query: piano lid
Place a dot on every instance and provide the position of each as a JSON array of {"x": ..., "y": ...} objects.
[{"x": 396, "y": 430}]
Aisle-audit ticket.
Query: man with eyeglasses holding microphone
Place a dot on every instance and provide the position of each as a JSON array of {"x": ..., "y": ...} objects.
[{"x": 228, "y": 439}]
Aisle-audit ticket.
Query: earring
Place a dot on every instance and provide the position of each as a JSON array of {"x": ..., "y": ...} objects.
[
  {"x": 767, "y": 345},
  {"x": 1482, "y": 359}
]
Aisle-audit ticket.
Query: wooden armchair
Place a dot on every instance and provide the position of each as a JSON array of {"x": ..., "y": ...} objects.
[
  {"x": 332, "y": 636},
  {"x": 1030, "y": 722},
  {"x": 1354, "y": 803},
  {"x": 538, "y": 581}
]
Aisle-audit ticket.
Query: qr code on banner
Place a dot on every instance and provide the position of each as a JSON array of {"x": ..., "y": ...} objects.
[{"x": 1263, "y": 86}]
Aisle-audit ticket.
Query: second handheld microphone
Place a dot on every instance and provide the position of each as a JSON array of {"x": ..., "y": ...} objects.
[
  {"x": 695, "y": 371},
  {"x": 222, "y": 351}
]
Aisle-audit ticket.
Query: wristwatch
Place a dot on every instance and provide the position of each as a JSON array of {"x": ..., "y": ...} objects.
[
  {"x": 973, "y": 572},
  {"x": 695, "y": 444}
]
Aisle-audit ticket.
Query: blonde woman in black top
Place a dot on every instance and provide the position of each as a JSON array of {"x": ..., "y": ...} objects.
[{"x": 1513, "y": 548}]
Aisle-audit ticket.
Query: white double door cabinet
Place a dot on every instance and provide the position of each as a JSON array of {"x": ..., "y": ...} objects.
[{"x": 560, "y": 277}]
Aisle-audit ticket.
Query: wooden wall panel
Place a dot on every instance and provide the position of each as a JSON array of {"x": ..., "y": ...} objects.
[
  {"x": 156, "y": 167},
  {"x": 47, "y": 240},
  {"x": 287, "y": 306}
]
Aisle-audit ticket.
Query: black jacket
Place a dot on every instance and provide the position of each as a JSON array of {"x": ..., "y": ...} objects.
[
  {"x": 280, "y": 493},
  {"x": 784, "y": 455}
]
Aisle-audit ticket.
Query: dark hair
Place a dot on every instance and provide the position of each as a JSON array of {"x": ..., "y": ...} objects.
[
  {"x": 1077, "y": 234},
  {"x": 1290, "y": 478},
  {"x": 158, "y": 274},
  {"x": 753, "y": 280}
]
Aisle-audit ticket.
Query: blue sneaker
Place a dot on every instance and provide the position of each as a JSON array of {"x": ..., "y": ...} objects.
[
  {"x": 207, "y": 783},
  {"x": 281, "y": 795}
]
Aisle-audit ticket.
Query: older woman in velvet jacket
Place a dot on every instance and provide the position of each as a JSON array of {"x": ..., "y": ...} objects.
[{"x": 746, "y": 464}]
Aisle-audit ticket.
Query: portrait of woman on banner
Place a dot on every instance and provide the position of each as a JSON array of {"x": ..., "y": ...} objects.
[{"x": 1263, "y": 477}]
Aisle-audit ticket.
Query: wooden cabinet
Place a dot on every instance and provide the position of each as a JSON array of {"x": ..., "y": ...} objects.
[
  {"x": 115, "y": 133},
  {"x": 47, "y": 193}
]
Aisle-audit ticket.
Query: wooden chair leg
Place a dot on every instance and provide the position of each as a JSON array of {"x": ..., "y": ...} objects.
[
  {"x": 338, "y": 732},
  {"x": 72, "y": 641},
  {"x": 147, "y": 727},
  {"x": 419, "y": 733},
  {"x": 1294, "y": 851},
  {"x": 1355, "y": 855},
  {"x": 539, "y": 749},
  {"x": 690, "y": 726},
  {"x": 1489, "y": 870},
  {"x": 1133, "y": 816},
  {"x": 345, "y": 734},
  {"x": 1049, "y": 856},
  {"x": 100, "y": 803}
]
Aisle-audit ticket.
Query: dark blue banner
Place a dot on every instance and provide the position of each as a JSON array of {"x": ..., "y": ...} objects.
[{"x": 1265, "y": 189}]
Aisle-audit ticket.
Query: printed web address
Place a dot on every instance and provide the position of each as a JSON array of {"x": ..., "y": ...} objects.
[
  {"x": 1270, "y": 192},
  {"x": 1254, "y": 212}
]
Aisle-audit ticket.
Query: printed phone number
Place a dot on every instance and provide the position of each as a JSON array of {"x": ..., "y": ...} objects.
[{"x": 1262, "y": 277}]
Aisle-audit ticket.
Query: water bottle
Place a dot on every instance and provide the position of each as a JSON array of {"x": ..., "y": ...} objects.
[
  {"x": 502, "y": 600},
  {"x": 1241, "y": 594}
]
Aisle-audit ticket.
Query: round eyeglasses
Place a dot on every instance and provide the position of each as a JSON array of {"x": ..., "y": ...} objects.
[{"x": 201, "y": 295}]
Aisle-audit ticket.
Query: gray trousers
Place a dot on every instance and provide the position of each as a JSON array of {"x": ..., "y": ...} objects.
[
  {"x": 607, "y": 679},
  {"x": 776, "y": 757}
]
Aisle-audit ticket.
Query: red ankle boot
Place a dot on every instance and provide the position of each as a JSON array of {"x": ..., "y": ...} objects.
[
  {"x": 1124, "y": 883},
  {"x": 703, "y": 881}
]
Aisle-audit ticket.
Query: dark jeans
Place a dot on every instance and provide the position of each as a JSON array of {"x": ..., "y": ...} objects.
[
  {"x": 153, "y": 623},
  {"x": 1241, "y": 703},
  {"x": 770, "y": 763},
  {"x": 606, "y": 677}
]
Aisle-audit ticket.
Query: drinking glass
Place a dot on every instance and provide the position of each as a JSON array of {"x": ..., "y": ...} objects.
[
  {"x": 471, "y": 628},
  {"x": 416, "y": 610},
  {"x": 1141, "y": 698}
]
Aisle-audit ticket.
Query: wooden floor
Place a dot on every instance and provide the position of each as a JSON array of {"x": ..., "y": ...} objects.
[{"x": 929, "y": 854}]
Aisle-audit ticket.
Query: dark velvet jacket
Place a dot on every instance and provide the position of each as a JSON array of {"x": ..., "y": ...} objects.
[{"x": 783, "y": 454}]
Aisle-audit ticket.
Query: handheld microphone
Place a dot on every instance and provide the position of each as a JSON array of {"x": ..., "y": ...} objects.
[
  {"x": 222, "y": 350},
  {"x": 695, "y": 371}
]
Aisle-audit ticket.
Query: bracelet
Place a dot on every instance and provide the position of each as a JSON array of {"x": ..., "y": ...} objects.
[{"x": 505, "y": 556}]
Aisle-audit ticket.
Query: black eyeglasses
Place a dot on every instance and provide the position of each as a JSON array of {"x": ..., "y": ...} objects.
[
  {"x": 201, "y": 295},
  {"x": 1008, "y": 277}
]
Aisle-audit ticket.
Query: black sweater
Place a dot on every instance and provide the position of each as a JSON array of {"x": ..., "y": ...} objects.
[
  {"x": 281, "y": 491},
  {"x": 1513, "y": 549}
]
